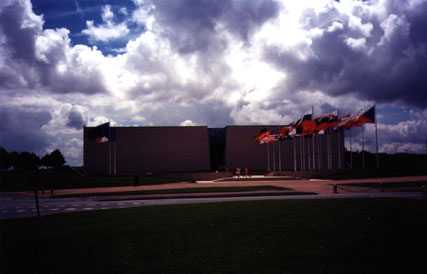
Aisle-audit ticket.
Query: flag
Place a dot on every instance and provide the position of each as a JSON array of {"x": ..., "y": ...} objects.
[
  {"x": 368, "y": 117},
  {"x": 343, "y": 120},
  {"x": 102, "y": 133},
  {"x": 101, "y": 140},
  {"x": 258, "y": 137},
  {"x": 360, "y": 118},
  {"x": 352, "y": 120},
  {"x": 326, "y": 121},
  {"x": 304, "y": 126},
  {"x": 272, "y": 136},
  {"x": 307, "y": 123},
  {"x": 285, "y": 132},
  {"x": 294, "y": 126}
]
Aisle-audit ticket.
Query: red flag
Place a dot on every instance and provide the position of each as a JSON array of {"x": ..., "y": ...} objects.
[
  {"x": 307, "y": 123},
  {"x": 260, "y": 135},
  {"x": 367, "y": 117},
  {"x": 272, "y": 136},
  {"x": 343, "y": 120},
  {"x": 360, "y": 118},
  {"x": 326, "y": 121}
]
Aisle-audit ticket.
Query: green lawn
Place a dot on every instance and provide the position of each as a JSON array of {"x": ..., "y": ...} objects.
[
  {"x": 64, "y": 178},
  {"x": 289, "y": 236}
]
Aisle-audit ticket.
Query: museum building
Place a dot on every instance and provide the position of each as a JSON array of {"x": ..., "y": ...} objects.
[{"x": 137, "y": 150}]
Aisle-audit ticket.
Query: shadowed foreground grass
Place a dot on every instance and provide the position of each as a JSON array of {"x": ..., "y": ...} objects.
[{"x": 289, "y": 236}]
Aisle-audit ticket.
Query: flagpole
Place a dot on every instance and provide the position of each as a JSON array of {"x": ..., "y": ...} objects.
[
  {"x": 274, "y": 157},
  {"x": 330, "y": 148},
  {"x": 295, "y": 155},
  {"x": 318, "y": 152},
  {"x": 310, "y": 166},
  {"x": 314, "y": 152},
  {"x": 328, "y": 139},
  {"x": 339, "y": 145},
  {"x": 363, "y": 149},
  {"x": 115, "y": 152},
  {"x": 376, "y": 135},
  {"x": 339, "y": 148},
  {"x": 109, "y": 148},
  {"x": 327, "y": 147},
  {"x": 312, "y": 138},
  {"x": 301, "y": 153},
  {"x": 351, "y": 151},
  {"x": 280, "y": 159},
  {"x": 268, "y": 156}
]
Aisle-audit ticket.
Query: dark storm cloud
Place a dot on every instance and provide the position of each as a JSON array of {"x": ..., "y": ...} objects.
[
  {"x": 246, "y": 16},
  {"x": 385, "y": 67},
  {"x": 76, "y": 119},
  {"x": 21, "y": 130},
  {"x": 30, "y": 55},
  {"x": 190, "y": 25}
]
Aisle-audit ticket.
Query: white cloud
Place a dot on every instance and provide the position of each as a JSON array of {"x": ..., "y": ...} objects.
[
  {"x": 392, "y": 24},
  {"x": 187, "y": 123},
  {"x": 356, "y": 44},
  {"x": 143, "y": 16},
  {"x": 108, "y": 30},
  {"x": 356, "y": 24},
  {"x": 335, "y": 26}
]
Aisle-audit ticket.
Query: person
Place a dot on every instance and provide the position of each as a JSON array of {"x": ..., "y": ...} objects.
[
  {"x": 238, "y": 172},
  {"x": 247, "y": 172}
]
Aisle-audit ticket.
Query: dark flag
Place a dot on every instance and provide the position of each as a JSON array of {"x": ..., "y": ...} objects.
[{"x": 102, "y": 133}]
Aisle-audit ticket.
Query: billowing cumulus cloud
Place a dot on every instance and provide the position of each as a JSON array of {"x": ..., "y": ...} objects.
[
  {"x": 211, "y": 63},
  {"x": 42, "y": 59},
  {"x": 377, "y": 53}
]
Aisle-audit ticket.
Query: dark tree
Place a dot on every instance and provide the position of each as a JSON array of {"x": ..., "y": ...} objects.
[
  {"x": 5, "y": 163},
  {"x": 28, "y": 161},
  {"x": 14, "y": 159},
  {"x": 53, "y": 159}
]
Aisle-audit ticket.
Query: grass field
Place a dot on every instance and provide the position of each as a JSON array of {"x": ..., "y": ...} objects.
[
  {"x": 64, "y": 177},
  {"x": 288, "y": 236}
]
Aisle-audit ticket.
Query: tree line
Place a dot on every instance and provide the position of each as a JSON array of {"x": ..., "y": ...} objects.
[{"x": 29, "y": 160}]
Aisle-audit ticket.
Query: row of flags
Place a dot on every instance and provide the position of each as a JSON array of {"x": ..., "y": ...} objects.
[{"x": 309, "y": 126}]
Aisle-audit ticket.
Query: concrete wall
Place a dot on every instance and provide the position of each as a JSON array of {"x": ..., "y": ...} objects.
[
  {"x": 149, "y": 149},
  {"x": 240, "y": 149}
]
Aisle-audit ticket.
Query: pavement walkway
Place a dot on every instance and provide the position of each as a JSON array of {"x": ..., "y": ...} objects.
[{"x": 312, "y": 185}]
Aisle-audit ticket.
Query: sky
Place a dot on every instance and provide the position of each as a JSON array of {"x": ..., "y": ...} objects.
[{"x": 69, "y": 63}]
